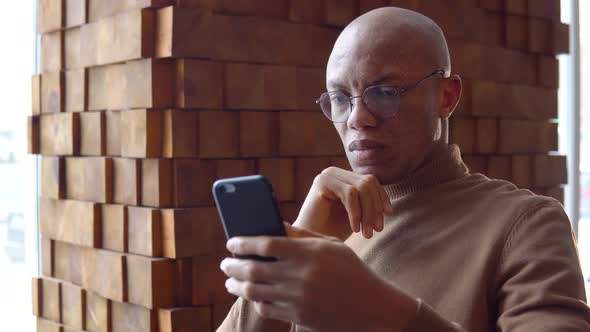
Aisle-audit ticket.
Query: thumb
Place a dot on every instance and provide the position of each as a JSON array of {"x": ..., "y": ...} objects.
[{"x": 298, "y": 232}]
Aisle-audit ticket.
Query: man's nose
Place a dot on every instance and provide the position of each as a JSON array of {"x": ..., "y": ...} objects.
[{"x": 360, "y": 116}]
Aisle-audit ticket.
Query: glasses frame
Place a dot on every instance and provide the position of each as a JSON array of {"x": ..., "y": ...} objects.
[{"x": 398, "y": 90}]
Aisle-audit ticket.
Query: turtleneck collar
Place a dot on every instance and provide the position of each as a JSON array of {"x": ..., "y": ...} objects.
[{"x": 445, "y": 165}]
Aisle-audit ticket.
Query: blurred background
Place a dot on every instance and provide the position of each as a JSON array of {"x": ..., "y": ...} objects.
[{"x": 19, "y": 246}]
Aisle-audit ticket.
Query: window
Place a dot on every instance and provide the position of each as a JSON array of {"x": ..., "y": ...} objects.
[{"x": 18, "y": 220}]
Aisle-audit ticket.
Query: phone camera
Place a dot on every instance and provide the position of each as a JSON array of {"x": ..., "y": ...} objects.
[{"x": 229, "y": 188}]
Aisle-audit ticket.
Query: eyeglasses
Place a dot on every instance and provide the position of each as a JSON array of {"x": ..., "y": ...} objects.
[{"x": 381, "y": 100}]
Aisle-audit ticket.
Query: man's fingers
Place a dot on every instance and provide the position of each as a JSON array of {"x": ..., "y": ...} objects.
[
  {"x": 378, "y": 205},
  {"x": 368, "y": 212},
  {"x": 269, "y": 246},
  {"x": 258, "y": 292},
  {"x": 254, "y": 271}
]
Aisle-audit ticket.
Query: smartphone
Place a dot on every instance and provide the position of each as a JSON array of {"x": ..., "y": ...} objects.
[{"x": 247, "y": 207}]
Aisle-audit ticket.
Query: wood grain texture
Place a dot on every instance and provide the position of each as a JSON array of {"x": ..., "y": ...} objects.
[
  {"x": 127, "y": 317},
  {"x": 89, "y": 179},
  {"x": 51, "y": 15},
  {"x": 114, "y": 227},
  {"x": 104, "y": 272},
  {"x": 52, "y": 92},
  {"x": 73, "y": 306},
  {"x": 145, "y": 231},
  {"x": 76, "y": 90},
  {"x": 60, "y": 134},
  {"x": 92, "y": 134},
  {"x": 127, "y": 181},
  {"x": 142, "y": 137},
  {"x": 184, "y": 319},
  {"x": 152, "y": 281},
  {"x": 70, "y": 221}
]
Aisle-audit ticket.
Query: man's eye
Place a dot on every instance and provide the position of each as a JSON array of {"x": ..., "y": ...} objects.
[
  {"x": 384, "y": 91},
  {"x": 338, "y": 99}
]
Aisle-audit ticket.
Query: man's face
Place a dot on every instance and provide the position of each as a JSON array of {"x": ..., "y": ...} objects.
[{"x": 391, "y": 147}]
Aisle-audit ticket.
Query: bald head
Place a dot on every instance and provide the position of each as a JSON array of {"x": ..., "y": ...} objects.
[
  {"x": 384, "y": 48},
  {"x": 393, "y": 37}
]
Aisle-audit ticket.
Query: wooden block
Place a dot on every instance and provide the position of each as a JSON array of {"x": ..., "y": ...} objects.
[
  {"x": 306, "y": 169},
  {"x": 44, "y": 325},
  {"x": 179, "y": 134},
  {"x": 127, "y": 317},
  {"x": 72, "y": 48},
  {"x": 33, "y": 135},
  {"x": 123, "y": 37},
  {"x": 517, "y": 136},
  {"x": 340, "y": 13},
  {"x": 244, "y": 86},
  {"x": 47, "y": 257},
  {"x": 557, "y": 193},
  {"x": 184, "y": 319},
  {"x": 191, "y": 232},
  {"x": 142, "y": 137},
  {"x": 516, "y": 7},
  {"x": 262, "y": 8},
  {"x": 229, "y": 168},
  {"x": 70, "y": 221},
  {"x": 113, "y": 133},
  {"x": 68, "y": 262},
  {"x": 289, "y": 211},
  {"x": 51, "y": 300},
  {"x": 492, "y": 5},
  {"x": 549, "y": 171},
  {"x": 281, "y": 173},
  {"x": 476, "y": 163},
  {"x": 341, "y": 162},
  {"x": 112, "y": 285},
  {"x": 260, "y": 87},
  {"x": 539, "y": 30},
  {"x": 36, "y": 291},
  {"x": 114, "y": 227},
  {"x": 561, "y": 38},
  {"x": 486, "y": 135},
  {"x": 127, "y": 181},
  {"x": 60, "y": 134},
  {"x": 52, "y": 92},
  {"x": 73, "y": 306},
  {"x": 145, "y": 231},
  {"x": 218, "y": 134},
  {"x": 184, "y": 281},
  {"x": 152, "y": 281},
  {"x": 493, "y": 30},
  {"x": 52, "y": 52},
  {"x": 50, "y": 16},
  {"x": 36, "y": 94},
  {"x": 192, "y": 182},
  {"x": 209, "y": 281},
  {"x": 220, "y": 311},
  {"x": 307, "y": 11},
  {"x": 92, "y": 134},
  {"x": 75, "y": 96},
  {"x": 517, "y": 32},
  {"x": 116, "y": 87},
  {"x": 521, "y": 171},
  {"x": 258, "y": 134},
  {"x": 53, "y": 177},
  {"x": 98, "y": 313},
  {"x": 310, "y": 85},
  {"x": 156, "y": 182},
  {"x": 368, "y": 5},
  {"x": 90, "y": 179},
  {"x": 549, "y": 9},
  {"x": 75, "y": 12},
  {"x": 500, "y": 167},
  {"x": 99, "y": 9},
  {"x": 548, "y": 71},
  {"x": 199, "y": 84},
  {"x": 318, "y": 138}
]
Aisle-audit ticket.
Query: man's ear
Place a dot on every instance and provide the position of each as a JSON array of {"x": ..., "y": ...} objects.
[{"x": 451, "y": 94}]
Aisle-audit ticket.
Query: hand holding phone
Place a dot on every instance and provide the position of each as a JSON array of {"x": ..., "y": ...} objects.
[{"x": 247, "y": 207}]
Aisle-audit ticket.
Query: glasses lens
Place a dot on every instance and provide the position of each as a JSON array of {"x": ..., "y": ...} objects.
[
  {"x": 382, "y": 100},
  {"x": 335, "y": 106}
]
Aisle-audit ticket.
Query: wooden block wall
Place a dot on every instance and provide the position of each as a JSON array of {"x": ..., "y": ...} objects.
[{"x": 141, "y": 105}]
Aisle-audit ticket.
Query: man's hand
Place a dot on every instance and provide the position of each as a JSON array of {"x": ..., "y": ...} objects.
[
  {"x": 317, "y": 282},
  {"x": 337, "y": 195}
]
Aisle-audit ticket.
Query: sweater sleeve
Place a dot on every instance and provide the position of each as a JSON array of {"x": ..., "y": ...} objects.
[
  {"x": 540, "y": 286},
  {"x": 242, "y": 317}
]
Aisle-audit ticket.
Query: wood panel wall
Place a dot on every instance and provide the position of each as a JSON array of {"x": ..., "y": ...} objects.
[{"x": 140, "y": 105}]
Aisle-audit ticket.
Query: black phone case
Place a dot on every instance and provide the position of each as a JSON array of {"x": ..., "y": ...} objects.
[{"x": 247, "y": 207}]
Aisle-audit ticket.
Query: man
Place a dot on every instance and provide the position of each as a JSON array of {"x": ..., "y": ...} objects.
[{"x": 452, "y": 251}]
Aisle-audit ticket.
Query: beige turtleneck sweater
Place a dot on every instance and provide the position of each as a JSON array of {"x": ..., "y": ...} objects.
[{"x": 479, "y": 254}]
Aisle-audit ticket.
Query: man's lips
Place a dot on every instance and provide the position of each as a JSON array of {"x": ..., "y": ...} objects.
[{"x": 364, "y": 144}]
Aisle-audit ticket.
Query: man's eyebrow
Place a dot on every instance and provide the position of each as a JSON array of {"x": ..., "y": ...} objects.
[{"x": 389, "y": 77}]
